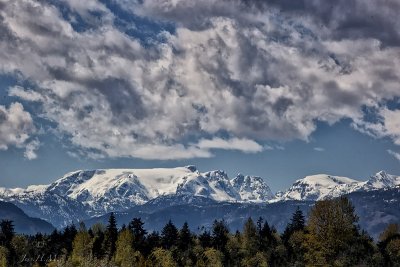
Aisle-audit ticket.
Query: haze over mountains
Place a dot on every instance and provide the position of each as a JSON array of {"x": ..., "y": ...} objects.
[{"x": 82, "y": 195}]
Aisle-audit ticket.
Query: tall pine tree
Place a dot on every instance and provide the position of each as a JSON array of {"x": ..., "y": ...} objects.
[
  {"x": 169, "y": 235},
  {"x": 111, "y": 236},
  {"x": 139, "y": 234},
  {"x": 185, "y": 241}
]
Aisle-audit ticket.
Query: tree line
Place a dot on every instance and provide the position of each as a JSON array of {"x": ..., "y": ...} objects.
[{"x": 330, "y": 236}]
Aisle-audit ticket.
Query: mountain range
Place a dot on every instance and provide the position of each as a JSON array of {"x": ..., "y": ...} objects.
[{"x": 90, "y": 195}]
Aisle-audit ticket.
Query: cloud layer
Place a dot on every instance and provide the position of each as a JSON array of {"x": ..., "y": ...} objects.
[
  {"x": 249, "y": 71},
  {"x": 16, "y": 127}
]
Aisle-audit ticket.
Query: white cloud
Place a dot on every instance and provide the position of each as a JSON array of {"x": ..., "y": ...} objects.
[
  {"x": 387, "y": 124},
  {"x": 391, "y": 120},
  {"x": 319, "y": 149},
  {"x": 16, "y": 126},
  {"x": 30, "y": 149},
  {"x": 394, "y": 154},
  {"x": 244, "y": 145},
  {"x": 233, "y": 68},
  {"x": 28, "y": 95}
]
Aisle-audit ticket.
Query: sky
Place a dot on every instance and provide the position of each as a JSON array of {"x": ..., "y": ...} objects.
[{"x": 278, "y": 89}]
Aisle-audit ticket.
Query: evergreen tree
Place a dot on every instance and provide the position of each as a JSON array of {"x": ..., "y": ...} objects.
[
  {"x": 297, "y": 223},
  {"x": 169, "y": 235},
  {"x": 298, "y": 220},
  {"x": 111, "y": 236},
  {"x": 260, "y": 222},
  {"x": 139, "y": 234},
  {"x": 6, "y": 235},
  {"x": 185, "y": 245},
  {"x": 98, "y": 240},
  {"x": 7, "y": 232},
  {"x": 68, "y": 236},
  {"x": 266, "y": 239},
  {"x": 205, "y": 239},
  {"x": 153, "y": 240},
  {"x": 185, "y": 241},
  {"x": 220, "y": 237}
]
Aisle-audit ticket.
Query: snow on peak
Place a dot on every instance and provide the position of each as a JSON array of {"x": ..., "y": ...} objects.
[
  {"x": 192, "y": 168},
  {"x": 320, "y": 186},
  {"x": 105, "y": 190},
  {"x": 112, "y": 189},
  {"x": 381, "y": 180},
  {"x": 252, "y": 188}
]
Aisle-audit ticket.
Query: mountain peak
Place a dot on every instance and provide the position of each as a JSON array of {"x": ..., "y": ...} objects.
[
  {"x": 382, "y": 180},
  {"x": 104, "y": 190},
  {"x": 192, "y": 168},
  {"x": 319, "y": 186},
  {"x": 381, "y": 174},
  {"x": 252, "y": 188}
]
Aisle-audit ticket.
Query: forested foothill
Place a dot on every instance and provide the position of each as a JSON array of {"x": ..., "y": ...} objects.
[{"x": 329, "y": 236}]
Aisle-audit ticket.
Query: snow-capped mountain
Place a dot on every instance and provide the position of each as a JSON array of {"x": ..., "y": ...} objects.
[
  {"x": 381, "y": 180},
  {"x": 323, "y": 186},
  {"x": 83, "y": 194},
  {"x": 90, "y": 193},
  {"x": 252, "y": 188}
]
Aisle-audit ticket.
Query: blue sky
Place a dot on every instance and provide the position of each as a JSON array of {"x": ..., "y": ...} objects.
[{"x": 262, "y": 88}]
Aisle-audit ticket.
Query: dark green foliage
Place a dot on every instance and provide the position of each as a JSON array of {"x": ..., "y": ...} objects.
[
  {"x": 297, "y": 223},
  {"x": 68, "y": 236},
  {"x": 153, "y": 240},
  {"x": 169, "y": 235},
  {"x": 7, "y": 232},
  {"x": 139, "y": 234},
  {"x": 205, "y": 239},
  {"x": 331, "y": 238},
  {"x": 110, "y": 237},
  {"x": 298, "y": 220},
  {"x": 185, "y": 240},
  {"x": 220, "y": 235},
  {"x": 6, "y": 235},
  {"x": 98, "y": 240}
]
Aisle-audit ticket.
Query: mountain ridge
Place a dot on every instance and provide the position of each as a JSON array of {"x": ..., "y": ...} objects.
[
  {"x": 322, "y": 186},
  {"x": 83, "y": 194}
]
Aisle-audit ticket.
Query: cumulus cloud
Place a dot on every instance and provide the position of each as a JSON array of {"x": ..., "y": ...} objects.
[
  {"x": 30, "y": 149},
  {"x": 16, "y": 126},
  {"x": 254, "y": 70}
]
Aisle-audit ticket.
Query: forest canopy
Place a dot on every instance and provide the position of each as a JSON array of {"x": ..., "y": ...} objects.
[{"x": 329, "y": 236}]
